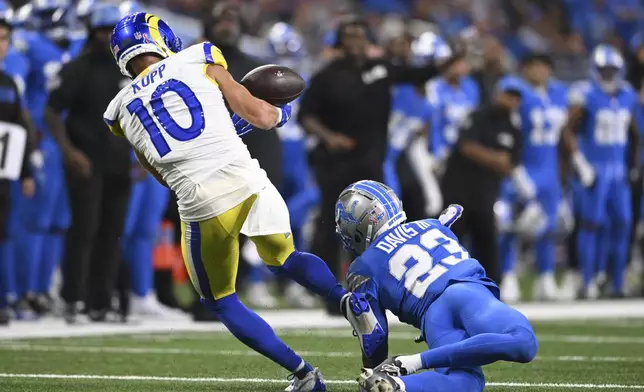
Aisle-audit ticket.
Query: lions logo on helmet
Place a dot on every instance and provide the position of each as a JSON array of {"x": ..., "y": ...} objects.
[{"x": 141, "y": 33}]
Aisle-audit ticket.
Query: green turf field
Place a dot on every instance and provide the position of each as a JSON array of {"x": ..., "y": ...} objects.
[{"x": 573, "y": 356}]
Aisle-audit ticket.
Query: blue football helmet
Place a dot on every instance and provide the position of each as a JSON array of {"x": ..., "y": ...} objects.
[
  {"x": 430, "y": 47},
  {"x": 284, "y": 41},
  {"x": 130, "y": 7},
  {"x": 607, "y": 68},
  {"x": 141, "y": 33},
  {"x": 52, "y": 17},
  {"x": 103, "y": 16},
  {"x": 365, "y": 210}
]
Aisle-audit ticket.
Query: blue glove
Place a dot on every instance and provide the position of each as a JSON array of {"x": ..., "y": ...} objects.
[
  {"x": 241, "y": 126},
  {"x": 286, "y": 114}
]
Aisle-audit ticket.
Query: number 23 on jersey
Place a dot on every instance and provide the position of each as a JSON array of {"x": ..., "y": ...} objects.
[{"x": 418, "y": 276}]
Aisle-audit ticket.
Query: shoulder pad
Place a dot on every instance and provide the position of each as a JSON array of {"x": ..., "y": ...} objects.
[{"x": 204, "y": 53}]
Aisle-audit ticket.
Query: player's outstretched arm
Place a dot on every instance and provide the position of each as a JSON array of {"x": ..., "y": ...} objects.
[{"x": 257, "y": 112}]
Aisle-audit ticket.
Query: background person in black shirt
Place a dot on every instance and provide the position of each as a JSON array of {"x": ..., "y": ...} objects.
[
  {"x": 346, "y": 107},
  {"x": 97, "y": 169},
  {"x": 488, "y": 149},
  {"x": 11, "y": 115}
]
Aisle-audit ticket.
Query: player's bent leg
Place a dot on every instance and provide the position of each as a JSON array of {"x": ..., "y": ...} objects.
[
  {"x": 496, "y": 331},
  {"x": 269, "y": 228},
  {"x": 211, "y": 253}
]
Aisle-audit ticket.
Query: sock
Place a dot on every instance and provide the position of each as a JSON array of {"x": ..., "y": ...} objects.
[
  {"x": 602, "y": 249},
  {"x": 31, "y": 250},
  {"x": 312, "y": 272},
  {"x": 138, "y": 251},
  {"x": 586, "y": 253},
  {"x": 619, "y": 245},
  {"x": 254, "y": 332},
  {"x": 7, "y": 273},
  {"x": 455, "y": 380},
  {"x": 412, "y": 363},
  {"x": 51, "y": 255},
  {"x": 508, "y": 251},
  {"x": 256, "y": 274},
  {"x": 516, "y": 345},
  {"x": 545, "y": 254}
]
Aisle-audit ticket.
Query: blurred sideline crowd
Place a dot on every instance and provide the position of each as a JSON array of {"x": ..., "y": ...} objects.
[{"x": 88, "y": 231}]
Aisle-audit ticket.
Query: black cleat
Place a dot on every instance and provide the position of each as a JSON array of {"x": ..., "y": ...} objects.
[
  {"x": 371, "y": 381},
  {"x": 70, "y": 313},
  {"x": 392, "y": 366}
]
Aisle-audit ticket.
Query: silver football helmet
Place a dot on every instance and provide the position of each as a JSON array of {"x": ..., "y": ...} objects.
[{"x": 365, "y": 210}]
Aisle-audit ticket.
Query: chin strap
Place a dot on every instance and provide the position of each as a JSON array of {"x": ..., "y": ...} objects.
[{"x": 358, "y": 312}]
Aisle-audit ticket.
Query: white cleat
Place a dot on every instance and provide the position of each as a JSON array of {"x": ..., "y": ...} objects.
[
  {"x": 258, "y": 296},
  {"x": 590, "y": 292},
  {"x": 149, "y": 307},
  {"x": 296, "y": 296},
  {"x": 545, "y": 288},
  {"x": 570, "y": 286},
  {"x": 312, "y": 382},
  {"x": 510, "y": 289}
]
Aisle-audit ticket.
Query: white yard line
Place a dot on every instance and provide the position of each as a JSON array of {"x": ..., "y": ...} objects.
[
  {"x": 247, "y": 353},
  {"x": 278, "y": 381}
]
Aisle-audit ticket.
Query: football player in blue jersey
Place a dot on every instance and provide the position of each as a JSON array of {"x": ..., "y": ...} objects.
[
  {"x": 420, "y": 272},
  {"x": 408, "y": 164},
  {"x": 601, "y": 111},
  {"x": 286, "y": 47},
  {"x": 452, "y": 96},
  {"x": 535, "y": 185},
  {"x": 46, "y": 216}
]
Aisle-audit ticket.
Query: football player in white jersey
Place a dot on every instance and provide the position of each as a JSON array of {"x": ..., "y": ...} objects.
[{"x": 175, "y": 117}]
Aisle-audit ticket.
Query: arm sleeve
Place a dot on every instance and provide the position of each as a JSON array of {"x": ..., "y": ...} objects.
[
  {"x": 25, "y": 171},
  {"x": 62, "y": 97},
  {"x": 365, "y": 285},
  {"x": 414, "y": 75}
]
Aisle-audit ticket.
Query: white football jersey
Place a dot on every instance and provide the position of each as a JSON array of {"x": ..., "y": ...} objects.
[{"x": 174, "y": 114}]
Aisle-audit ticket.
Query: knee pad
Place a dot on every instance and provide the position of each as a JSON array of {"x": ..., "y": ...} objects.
[{"x": 527, "y": 344}]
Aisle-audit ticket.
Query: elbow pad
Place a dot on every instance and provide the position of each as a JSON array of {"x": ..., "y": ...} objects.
[{"x": 366, "y": 327}]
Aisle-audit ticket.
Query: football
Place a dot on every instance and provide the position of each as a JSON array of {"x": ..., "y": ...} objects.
[{"x": 275, "y": 84}]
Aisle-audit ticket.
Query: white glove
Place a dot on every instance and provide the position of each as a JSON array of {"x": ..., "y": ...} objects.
[
  {"x": 584, "y": 169},
  {"x": 37, "y": 159},
  {"x": 523, "y": 183},
  {"x": 532, "y": 221},
  {"x": 365, "y": 324},
  {"x": 450, "y": 215}
]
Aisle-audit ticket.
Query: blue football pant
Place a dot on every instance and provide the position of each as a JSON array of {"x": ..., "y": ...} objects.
[
  {"x": 604, "y": 227},
  {"x": 148, "y": 202},
  {"x": 465, "y": 328},
  {"x": 43, "y": 222}
]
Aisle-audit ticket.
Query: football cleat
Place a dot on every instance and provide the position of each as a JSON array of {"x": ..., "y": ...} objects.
[
  {"x": 372, "y": 381},
  {"x": 312, "y": 382},
  {"x": 393, "y": 367}
]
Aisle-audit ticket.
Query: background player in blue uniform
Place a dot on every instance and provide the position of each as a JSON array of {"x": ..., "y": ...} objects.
[
  {"x": 535, "y": 185},
  {"x": 601, "y": 114},
  {"x": 46, "y": 216},
  {"x": 408, "y": 166},
  {"x": 452, "y": 97},
  {"x": 421, "y": 273}
]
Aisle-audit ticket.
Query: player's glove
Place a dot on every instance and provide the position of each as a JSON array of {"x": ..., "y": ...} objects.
[
  {"x": 285, "y": 114},
  {"x": 523, "y": 183},
  {"x": 371, "y": 380},
  {"x": 366, "y": 327},
  {"x": 242, "y": 126},
  {"x": 532, "y": 222},
  {"x": 450, "y": 215},
  {"x": 584, "y": 169}
]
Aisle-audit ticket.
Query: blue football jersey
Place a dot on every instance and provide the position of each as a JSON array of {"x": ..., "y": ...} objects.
[
  {"x": 409, "y": 266},
  {"x": 450, "y": 105},
  {"x": 45, "y": 59},
  {"x": 543, "y": 115},
  {"x": 603, "y": 136},
  {"x": 410, "y": 115}
]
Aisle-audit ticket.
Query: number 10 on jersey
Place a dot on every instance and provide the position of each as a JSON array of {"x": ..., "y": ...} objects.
[{"x": 420, "y": 275}]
